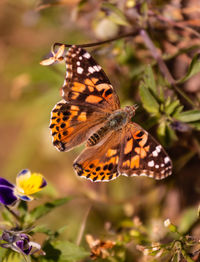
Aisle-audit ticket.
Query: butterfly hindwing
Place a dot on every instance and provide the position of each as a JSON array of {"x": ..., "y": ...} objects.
[
  {"x": 86, "y": 83},
  {"x": 100, "y": 162},
  {"x": 142, "y": 155}
]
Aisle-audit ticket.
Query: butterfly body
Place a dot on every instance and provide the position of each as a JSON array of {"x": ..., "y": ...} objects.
[
  {"x": 90, "y": 113},
  {"x": 115, "y": 121}
]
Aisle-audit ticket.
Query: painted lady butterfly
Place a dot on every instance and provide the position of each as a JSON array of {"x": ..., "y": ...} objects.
[{"x": 90, "y": 111}]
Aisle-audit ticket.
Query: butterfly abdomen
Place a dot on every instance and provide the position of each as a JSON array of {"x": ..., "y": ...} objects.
[
  {"x": 96, "y": 137},
  {"x": 115, "y": 122}
]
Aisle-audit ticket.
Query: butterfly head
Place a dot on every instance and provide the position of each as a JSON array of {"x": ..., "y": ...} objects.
[{"x": 130, "y": 110}]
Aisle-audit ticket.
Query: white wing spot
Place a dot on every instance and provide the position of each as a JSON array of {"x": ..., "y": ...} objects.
[
  {"x": 96, "y": 68},
  {"x": 158, "y": 148},
  {"x": 155, "y": 153},
  {"x": 156, "y": 166},
  {"x": 78, "y": 63},
  {"x": 166, "y": 159},
  {"x": 151, "y": 175},
  {"x": 99, "y": 67},
  {"x": 151, "y": 163},
  {"x": 87, "y": 55},
  {"x": 80, "y": 58},
  {"x": 91, "y": 69},
  {"x": 143, "y": 174},
  {"x": 79, "y": 70}
]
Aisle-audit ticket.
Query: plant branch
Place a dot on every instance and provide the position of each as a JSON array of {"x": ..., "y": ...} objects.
[
  {"x": 180, "y": 25},
  {"x": 82, "y": 228},
  {"x": 134, "y": 33},
  {"x": 163, "y": 68}
]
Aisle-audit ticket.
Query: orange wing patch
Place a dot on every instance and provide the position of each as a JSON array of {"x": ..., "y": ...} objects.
[
  {"x": 98, "y": 168},
  {"x": 141, "y": 137},
  {"x": 60, "y": 124},
  {"x": 93, "y": 99},
  {"x": 78, "y": 87},
  {"x": 82, "y": 117},
  {"x": 135, "y": 162},
  {"x": 128, "y": 147}
]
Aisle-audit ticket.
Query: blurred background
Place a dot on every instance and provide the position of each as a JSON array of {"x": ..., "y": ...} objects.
[{"x": 29, "y": 91}]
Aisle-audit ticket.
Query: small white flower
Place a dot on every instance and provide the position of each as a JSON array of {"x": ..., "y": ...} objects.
[{"x": 167, "y": 222}]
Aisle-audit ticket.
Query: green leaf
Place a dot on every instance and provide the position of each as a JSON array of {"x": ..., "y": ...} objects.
[
  {"x": 171, "y": 107},
  {"x": 178, "y": 110},
  {"x": 188, "y": 116},
  {"x": 7, "y": 216},
  {"x": 3, "y": 252},
  {"x": 148, "y": 100},
  {"x": 193, "y": 69},
  {"x": 149, "y": 79},
  {"x": 116, "y": 15},
  {"x": 23, "y": 208},
  {"x": 161, "y": 130},
  {"x": 44, "y": 209},
  {"x": 11, "y": 256},
  {"x": 171, "y": 135},
  {"x": 195, "y": 125},
  {"x": 166, "y": 133},
  {"x": 50, "y": 233},
  {"x": 71, "y": 252},
  {"x": 189, "y": 217},
  {"x": 63, "y": 251}
]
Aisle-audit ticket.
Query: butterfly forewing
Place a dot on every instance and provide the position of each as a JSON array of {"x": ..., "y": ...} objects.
[
  {"x": 86, "y": 83},
  {"x": 71, "y": 125}
]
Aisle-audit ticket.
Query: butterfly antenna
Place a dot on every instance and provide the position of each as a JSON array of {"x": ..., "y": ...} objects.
[{"x": 136, "y": 106}]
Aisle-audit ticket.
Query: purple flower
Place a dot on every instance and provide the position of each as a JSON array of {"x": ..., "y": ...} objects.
[
  {"x": 24, "y": 244},
  {"x": 19, "y": 242},
  {"x": 7, "y": 196},
  {"x": 27, "y": 183}
]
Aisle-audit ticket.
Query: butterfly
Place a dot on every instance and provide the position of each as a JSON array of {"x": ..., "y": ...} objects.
[{"x": 90, "y": 112}]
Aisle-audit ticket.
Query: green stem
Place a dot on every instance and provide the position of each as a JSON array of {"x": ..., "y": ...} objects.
[
  {"x": 13, "y": 213},
  {"x": 178, "y": 90}
]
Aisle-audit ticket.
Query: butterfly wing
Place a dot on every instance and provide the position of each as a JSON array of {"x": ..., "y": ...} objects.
[
  {"x": 142, "y": 155},
  {"x": 130, "y": 151},
  {"x": 100, "y": 162},
  {"x": 71, "y": 125},
  {"x": 89, "y": 99},
  {"x": 86, "y": 83}
]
